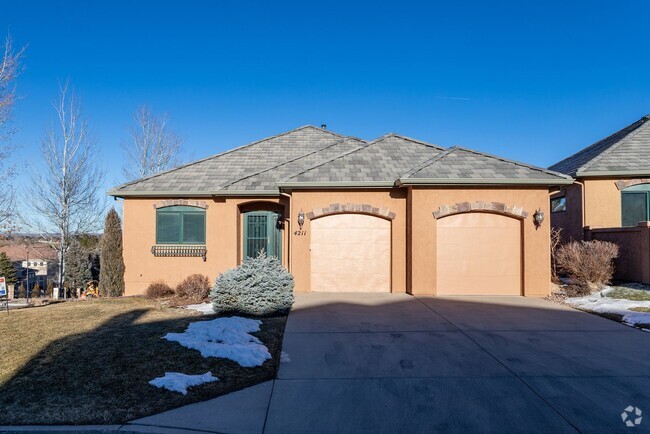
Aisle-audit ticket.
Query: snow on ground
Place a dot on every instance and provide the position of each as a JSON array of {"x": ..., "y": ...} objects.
[
  {"x": 284, "y": 357},
  {"x": 204, "y": 308},
  {"x": 600, "y": 303},
  {"x": 225, "y": 337},
  {"x": 177, "y": 382}
]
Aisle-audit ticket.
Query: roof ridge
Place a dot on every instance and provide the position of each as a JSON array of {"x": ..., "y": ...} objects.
[
  {"x": 410, "y": 139},
  {"x": 229, "y": 151},
  {"x": 322, "y": 163},
  {"x": 343, "y": 139},
  {"x": 518, "y": 163},
  {"x": 428, "y": 162},
  {"x": 633, "y": 126},
  {"x": 615, "y": 145}
]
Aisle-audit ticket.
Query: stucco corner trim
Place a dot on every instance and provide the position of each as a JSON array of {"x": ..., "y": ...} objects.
[
  {"x": 494, "y": 207},
  {"x": 359, "y": 208},
  {"x": 183, "y": 202},
  {"x": 624, "y": 183}
]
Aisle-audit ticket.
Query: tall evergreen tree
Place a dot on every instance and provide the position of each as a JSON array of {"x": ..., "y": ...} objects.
[
  {"x": 78, "y": 267},
  {"x": 111, "y": 261},
  {"x": 7, "y": 269}
]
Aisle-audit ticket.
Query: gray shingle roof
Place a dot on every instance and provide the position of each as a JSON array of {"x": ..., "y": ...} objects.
[
  {"x": 627, "y": 151},
  {"x": 464, "y": 165},
  {"x": 313, "y": 156}
]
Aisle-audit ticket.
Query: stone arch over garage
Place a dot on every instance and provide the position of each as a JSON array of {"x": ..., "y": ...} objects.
[
  {"x": 480, "y": 206},
  {"x": 356, "y": 208}
]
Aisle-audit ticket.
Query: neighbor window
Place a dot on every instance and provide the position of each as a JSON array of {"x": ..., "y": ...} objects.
[
  {"x": 180, "y": 225},
  {"x": 558, "y": 204},
  {"x": 635, "y": 204}
]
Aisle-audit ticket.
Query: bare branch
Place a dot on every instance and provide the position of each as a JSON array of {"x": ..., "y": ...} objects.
[
  {"x": 65, "y": 197},
  {"x": 151, "y": 147},
  {"x": 10, "y": 68}
]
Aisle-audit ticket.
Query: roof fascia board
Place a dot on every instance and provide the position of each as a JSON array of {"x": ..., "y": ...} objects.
[
  {"x": 594, "y": 174},
  {"x": 193, "y": 193},
  {"x": 367, "y": 184},
  {"x": 467, "y": 181}
]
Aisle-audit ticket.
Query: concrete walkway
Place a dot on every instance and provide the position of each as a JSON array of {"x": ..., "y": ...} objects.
[{"x": 395, "y": 363}]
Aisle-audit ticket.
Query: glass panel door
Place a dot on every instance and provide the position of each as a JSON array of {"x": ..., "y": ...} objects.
[{"x": 262, "y": 231}]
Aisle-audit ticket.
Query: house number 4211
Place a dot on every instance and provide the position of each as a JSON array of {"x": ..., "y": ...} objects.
[{"x": 300, "y": 233}]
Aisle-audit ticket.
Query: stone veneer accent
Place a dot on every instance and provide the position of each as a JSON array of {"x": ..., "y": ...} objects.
[
  {"x": 496, "y": 207},
  {"x": 183, "y": 202},
  {"x": 360, "y": 208},
  {"x": 624, "y": 183}
]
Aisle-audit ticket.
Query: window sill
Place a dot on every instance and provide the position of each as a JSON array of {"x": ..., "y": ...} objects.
[{"x": 180, "y": 251}]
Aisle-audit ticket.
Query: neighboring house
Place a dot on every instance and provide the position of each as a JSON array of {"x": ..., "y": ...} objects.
[
  {"x": 610, "y": 199},
  {"x": 394, "y": 214},
  {"x": 36, "y": 259}
]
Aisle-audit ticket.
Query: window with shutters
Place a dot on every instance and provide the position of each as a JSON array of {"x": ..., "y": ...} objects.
[{"x": 180, "y": 225}]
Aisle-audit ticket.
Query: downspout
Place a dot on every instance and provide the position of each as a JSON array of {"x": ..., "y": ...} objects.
[
  {"x": 289, "y": 238},
  {"x": 584, "y": 198}
]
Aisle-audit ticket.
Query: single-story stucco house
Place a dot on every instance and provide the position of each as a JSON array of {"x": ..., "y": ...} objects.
[
  {"x": 610, "y": 199},
  {"x": 390, "y": 215}
]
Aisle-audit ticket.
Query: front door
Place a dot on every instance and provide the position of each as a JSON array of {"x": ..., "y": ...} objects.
[{"x": 262, "y": 231}]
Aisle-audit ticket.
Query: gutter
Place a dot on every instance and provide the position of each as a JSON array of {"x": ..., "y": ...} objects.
[
  {"x": 123, "y": 194},
  {"x": 325, "y": 184},
  {"x": 479, "y": 182},
  {"x": 612, "y": 173}
]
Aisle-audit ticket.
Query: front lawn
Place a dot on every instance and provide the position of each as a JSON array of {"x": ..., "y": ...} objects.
[{"x": 89, "y": 362}]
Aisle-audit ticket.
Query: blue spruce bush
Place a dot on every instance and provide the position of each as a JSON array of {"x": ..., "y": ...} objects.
[{"x": 259, "y": 286}]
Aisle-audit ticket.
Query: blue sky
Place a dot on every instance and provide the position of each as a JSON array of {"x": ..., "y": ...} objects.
[{"x": 532, "y": 81}]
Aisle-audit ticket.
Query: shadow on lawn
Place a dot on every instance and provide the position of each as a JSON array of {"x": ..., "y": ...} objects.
[{"x": 102, "y": 377}]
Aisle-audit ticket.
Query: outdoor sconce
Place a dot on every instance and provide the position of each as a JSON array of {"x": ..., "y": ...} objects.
[
  {"x": 301, "y": 219},
  {"x": 538, "y": 217}
]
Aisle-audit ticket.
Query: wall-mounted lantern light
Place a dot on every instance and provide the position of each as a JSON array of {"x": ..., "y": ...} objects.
[
  {"x": 538, "y": 218},
  {"x": 301, "y": 219}
]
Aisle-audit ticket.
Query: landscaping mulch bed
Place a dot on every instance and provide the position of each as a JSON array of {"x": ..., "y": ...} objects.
[{"x": 89, "y": 362}]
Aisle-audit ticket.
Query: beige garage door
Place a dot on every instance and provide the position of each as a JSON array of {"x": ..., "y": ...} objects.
[
  {"x": 479, "y": 254},
  {"x": 350, "y": 253}
]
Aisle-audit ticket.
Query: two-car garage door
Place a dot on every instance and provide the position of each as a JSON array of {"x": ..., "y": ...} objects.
[
  {"x": 350, "y": 253},
  {"x": 477, "y": 254}
]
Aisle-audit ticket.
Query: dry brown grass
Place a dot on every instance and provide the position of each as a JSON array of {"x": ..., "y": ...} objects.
[{"x": 92, "y": 361}]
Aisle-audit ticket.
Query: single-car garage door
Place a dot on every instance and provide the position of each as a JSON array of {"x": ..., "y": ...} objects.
[
  {"x": 350, "y": 253},
  {"x": 479, "y": 254}
]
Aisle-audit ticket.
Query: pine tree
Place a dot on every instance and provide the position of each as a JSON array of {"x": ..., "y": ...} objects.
[
  {"x": 78, "y": 268},
  {"x": 7, "y": 269},
  {"x": 36, "y": 291},
  {"x": 111, "y": 261}
]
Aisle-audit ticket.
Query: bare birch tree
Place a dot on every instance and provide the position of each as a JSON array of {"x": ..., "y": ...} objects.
[
  {"x": 151, "y": 147},
  {"x": 10, "y": 68},
  {"x": 65, "y": 197}
]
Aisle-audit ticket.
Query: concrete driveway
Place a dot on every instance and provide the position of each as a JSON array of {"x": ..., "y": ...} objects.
[{"x": 397, "y": 363}]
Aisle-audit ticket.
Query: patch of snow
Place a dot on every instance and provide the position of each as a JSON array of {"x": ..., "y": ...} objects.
[
  {"x": 600, "y": 303},
  {"x": 204, "y": 308},
  {"x": 228, "y": 338},
  {"x": 177, "y": 382},
  {"x": 284, "y": 357}
]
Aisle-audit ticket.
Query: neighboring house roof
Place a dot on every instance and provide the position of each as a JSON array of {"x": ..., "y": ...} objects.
[
  {"x": 626, "y": 152},
  {"x": 314, "y": 157},
  {"x": 20, "y": 252}
]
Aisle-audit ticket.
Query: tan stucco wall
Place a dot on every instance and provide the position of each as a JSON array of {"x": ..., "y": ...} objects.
[
  {"x": 223, "y": 226},
  {"x": 307, "y": 201},
  {"x": 535, "y": 242},
  {"x": 602, "y": 203},
  {"x": 570, "y": 221}
]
